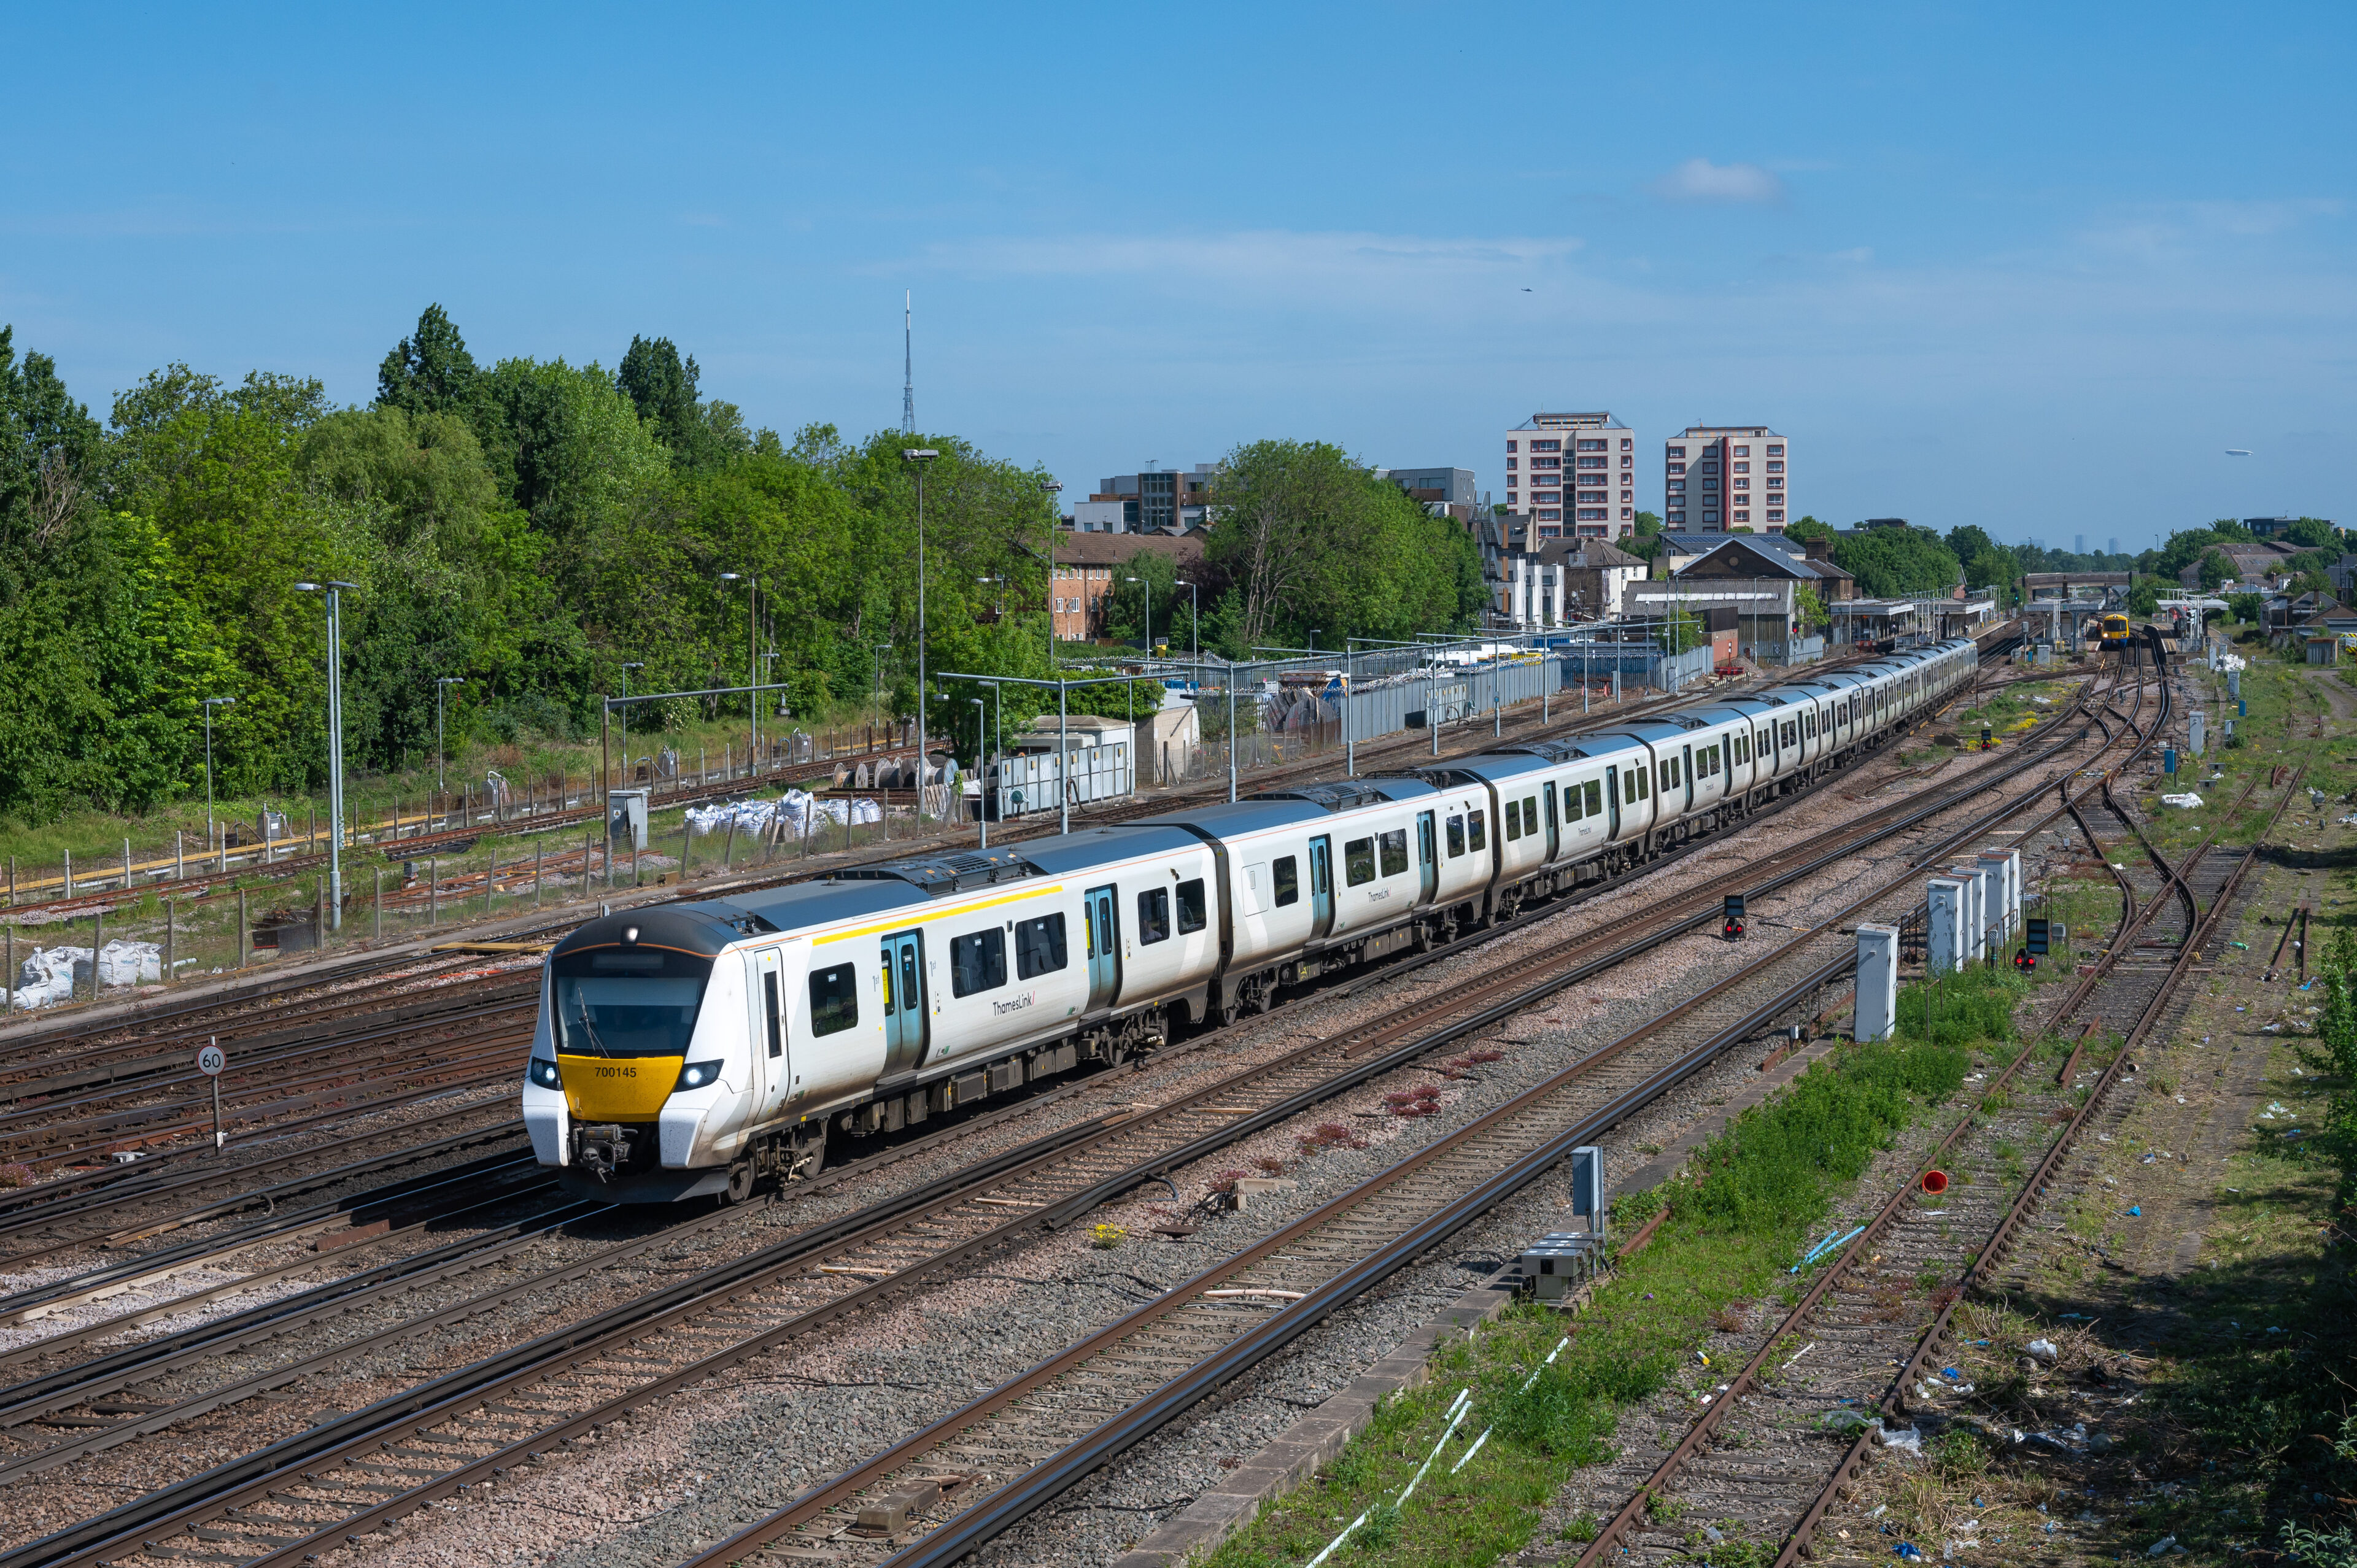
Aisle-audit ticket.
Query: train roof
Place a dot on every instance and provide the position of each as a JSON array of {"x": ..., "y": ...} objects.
[
  {"x": 704, "y": 927},
  {"x": 1093, "y": 847},
  {"x": 1350, "y": 794},
  {"x": 1256, "y": 813}
]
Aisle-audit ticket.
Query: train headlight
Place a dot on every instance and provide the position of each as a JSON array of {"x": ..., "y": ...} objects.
[
  {"x": 543, "y": 1072},
  {"x": 695, "y": 1075}
]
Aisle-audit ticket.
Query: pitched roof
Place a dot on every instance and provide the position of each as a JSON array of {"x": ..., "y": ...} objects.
[{"x": 1113, "y": 549}]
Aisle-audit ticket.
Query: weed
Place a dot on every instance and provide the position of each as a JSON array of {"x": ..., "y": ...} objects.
[
  {"x": 1729, "y": 1320},
  {"x": 1105, "y": 1238},
  {"x": 1382, "y": 1529},
  {"x": 1582, "y": 1529},
  {"x": 1666, "y": 1510}
]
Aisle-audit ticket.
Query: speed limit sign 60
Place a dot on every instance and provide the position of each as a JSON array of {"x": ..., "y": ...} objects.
[{"x": 209, "y": 1061}]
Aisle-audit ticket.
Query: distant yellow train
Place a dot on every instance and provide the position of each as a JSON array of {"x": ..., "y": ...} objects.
[{"x": 2115, "y": 631}]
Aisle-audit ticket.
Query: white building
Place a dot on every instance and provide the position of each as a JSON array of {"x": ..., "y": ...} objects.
[
  {"x": 1575, "y": 474},
  {"x": 1567, "y": 580},
  {"x": 1723, "y": 475}
]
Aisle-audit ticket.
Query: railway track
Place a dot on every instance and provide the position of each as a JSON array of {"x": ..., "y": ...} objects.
[
  {"x": 1169, "y": 1131},
  {"x": 1758, "y": 1462},
  {"x": 146, "y": 1072}
]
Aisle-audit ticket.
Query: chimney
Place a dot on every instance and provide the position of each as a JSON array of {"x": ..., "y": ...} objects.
[{"x": 1818, "y": 549}]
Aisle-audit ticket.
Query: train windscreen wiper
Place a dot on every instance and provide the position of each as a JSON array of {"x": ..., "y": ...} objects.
[{"x": 588, "y": 1029}]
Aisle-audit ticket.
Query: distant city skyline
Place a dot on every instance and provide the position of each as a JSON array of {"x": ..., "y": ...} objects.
[{"x": 1950, "y": 253}]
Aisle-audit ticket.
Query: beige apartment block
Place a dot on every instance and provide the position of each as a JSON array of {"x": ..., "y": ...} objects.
[
  {"x": 1726, "y": 476},
  {"x": 1574, "y": 475}
]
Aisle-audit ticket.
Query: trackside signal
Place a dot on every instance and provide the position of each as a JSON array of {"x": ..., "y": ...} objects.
[
  {"x": 2038, "y": 944},
  {"x": 1733, "y": 928}
]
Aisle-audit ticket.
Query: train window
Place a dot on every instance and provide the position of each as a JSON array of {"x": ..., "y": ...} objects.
[
  {"x": 1571, "y": 812},
  {"x": 1477, "y": 830},
  {"x": 1192, "y": 915},
  {"x": 777, "y": 1028},
  {"x": 978, "y": 961},
  {"x": 1531, "y": 814},
  {"x": 1514, "y": 820},
  {"x": 1456, "y": 837},
  {"x": 1662, "y": 773},
  {"x": 1039, "y": 946},
  {"x": 1288, "y": 881},
  {"x": 1595, "y": 792},
  {"x": 834, "y": 999},
  {"x": 1394, "y": 849},
  {"x": 1359, "y": 860},
  {"x": 1153, "y": 916}
]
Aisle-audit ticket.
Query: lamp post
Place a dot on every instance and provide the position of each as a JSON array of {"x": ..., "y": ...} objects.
[
  {"x": 211, "y": 703},
  {"x": 752, "y": 668},
  {"x": 1050, "y": 488},
  {"x": 333, "y": 590},
  {"x": 982, "y": 765},
  {"x": 1145, "y": 591},
  {"x": 638, "y": 664},
  {"x": 921, "y": 456},
  {"x": 441, "y": 684}
]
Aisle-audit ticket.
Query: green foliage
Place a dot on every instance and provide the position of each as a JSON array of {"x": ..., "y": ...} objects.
[
  {"x": 1809, "y": 609},
  {"x": 1809, "y": 528},
  {"x": 2144, "y": 597},
  {"x": 1975, "y": 1004},
  {"x": 1893, "y": 562},
  {"x": 1312, "y": 538},
  {"x": 430, "y": 371},
  {"x": 2245, "y": 607}
]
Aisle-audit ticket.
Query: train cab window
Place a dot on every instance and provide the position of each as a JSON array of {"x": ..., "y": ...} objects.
[
  {"x": 1287, "y": 876},
  {"x": 1595, "y": 793},
  {"x": 1456, "y": 837},
  {"x": 1193, "y": 914},
  {"x": 1039, "y": 946},
  {"x": 977, "y": 962},
  {"x": 1477, "y": 833},
  {"x": 1514, "y": 820},
  {"x": 1393, "y": 846},
  {"x": 1153, "y": 916},
  {"x": 1359, "y": 860},
  {"x": 834, "y": 999}
]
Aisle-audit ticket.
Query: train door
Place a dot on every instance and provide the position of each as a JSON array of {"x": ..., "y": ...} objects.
[
  {"x": 907, "y": 1020},
  {"x": 1427, "y": 859},
  {"x": 1689, "y": 776},
  {"x": 1612, "y": 799},
  {"x": 1322, "y": 886},
  {"x": 769, "y": 1075},
  {"x": 1097, "y": 910},
  {"x": 1553, "y": 831}
]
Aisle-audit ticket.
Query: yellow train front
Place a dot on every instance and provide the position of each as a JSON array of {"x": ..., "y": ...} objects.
[{"x": 2115, "y": 631}]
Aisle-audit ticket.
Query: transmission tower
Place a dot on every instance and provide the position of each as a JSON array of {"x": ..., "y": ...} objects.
[{"x": 908, "y": 364}]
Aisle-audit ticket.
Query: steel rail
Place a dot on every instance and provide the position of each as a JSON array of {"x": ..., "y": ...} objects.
[
  {"x": 2009, "y": 1230},
  {"x": 635, "y": 1325}
]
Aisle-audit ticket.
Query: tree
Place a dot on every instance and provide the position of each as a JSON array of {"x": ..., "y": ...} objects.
[
  {"x": 48, "y": 466},
  {"x": 2144, "y": 597},
  {"x": 1967, "y": 542},
  {"x": 2314, "y": 533},
  {"x": 1894, "y": 561},
  {"x": 1314, "y": 539},
  {"x": 2216, "y": 569},
  {"x": 1648, "y": 524},
  {"x": 1809, "y": 609},
  {"x": 429, "y": 372},
  {"x": 1809, "y": 528},
  {"x": 2245, "y": 607}
]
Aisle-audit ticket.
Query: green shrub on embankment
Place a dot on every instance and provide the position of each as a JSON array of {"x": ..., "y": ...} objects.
[{"x": 1746, "y": 1207}]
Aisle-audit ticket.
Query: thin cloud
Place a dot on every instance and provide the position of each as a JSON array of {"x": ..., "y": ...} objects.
[{"x": 1699, "y": 179}]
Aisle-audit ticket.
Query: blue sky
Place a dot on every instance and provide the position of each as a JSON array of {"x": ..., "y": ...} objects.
[{"x": 2031, "y": 267}]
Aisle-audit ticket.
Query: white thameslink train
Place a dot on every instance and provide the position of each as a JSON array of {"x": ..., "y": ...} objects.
[{"x": 696, "y": 1048}]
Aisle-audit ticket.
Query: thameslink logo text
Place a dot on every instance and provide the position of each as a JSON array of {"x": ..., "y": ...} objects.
[{"x": 1015, "y": 1004}]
